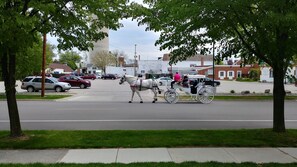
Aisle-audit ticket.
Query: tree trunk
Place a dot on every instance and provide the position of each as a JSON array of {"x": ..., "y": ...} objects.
[
  {"x": 278, "y": 101},
  {"x": 8, "y": 71}
]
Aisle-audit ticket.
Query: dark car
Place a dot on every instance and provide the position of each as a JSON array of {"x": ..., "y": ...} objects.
[
  {"x": 89, "y": 76},
  {"x": 109, "y": 76},
  {"x": 206, "y": 80},
  {"x": 75, "y": 81}
]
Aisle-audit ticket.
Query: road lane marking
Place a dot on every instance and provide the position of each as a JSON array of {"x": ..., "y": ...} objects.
[{"x": 142, "y": 120}]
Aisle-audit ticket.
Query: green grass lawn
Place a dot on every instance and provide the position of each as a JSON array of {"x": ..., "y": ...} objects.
[
  {"x": 149, "y": 138},
  {"x": 35, "y": 97}
]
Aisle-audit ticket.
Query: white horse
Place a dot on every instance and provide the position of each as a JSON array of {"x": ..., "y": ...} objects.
[{"x": 137, "y": 84}]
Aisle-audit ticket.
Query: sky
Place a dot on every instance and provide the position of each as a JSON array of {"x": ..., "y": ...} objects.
[{"x": 125, "y": 38}]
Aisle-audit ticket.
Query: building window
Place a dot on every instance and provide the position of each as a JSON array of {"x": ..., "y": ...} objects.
[
  {"x": 124, "y": 69},
  {"x": 230, "y": 73},
  {"x": 209, "y": 72},
  {"x": 222, "y": 74},
  {"x": 142, "y": 71},
  {"x": 270, "y": 73}
]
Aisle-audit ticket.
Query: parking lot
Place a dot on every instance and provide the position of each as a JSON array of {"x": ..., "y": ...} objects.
[{"x": 110, "y": 90}]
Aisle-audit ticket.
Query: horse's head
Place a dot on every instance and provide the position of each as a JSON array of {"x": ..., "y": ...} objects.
[{"x": 122, "y": 80}]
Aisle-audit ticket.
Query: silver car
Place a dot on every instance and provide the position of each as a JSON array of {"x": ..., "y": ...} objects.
[
  {"x": 164, "y": 81},
  {"x": 33, "y": 84}
]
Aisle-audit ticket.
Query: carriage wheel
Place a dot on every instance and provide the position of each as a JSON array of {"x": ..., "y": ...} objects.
[
  {"x": 206, "y": 95},
  {"x": 171, "y": 96}
]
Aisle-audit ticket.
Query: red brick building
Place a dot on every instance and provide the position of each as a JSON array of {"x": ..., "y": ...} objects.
[{"x": 228, "y": 72}]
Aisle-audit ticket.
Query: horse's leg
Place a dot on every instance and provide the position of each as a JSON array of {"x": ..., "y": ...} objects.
[
  {"x": 133, "y": 91},
  {"x": 155, "y": 95},
  {"x": 141, "y": 101}
]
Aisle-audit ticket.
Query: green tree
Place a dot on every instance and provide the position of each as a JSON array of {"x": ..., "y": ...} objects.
[
  {"x": 117, "y": 54},
  {"x": 75, "y": 23},
  {"x": 28, "y": 62},
  {"x": 70, "y": 58},
  {"x": 102, "y": 59},
  {"x": 265, "y": 29}
]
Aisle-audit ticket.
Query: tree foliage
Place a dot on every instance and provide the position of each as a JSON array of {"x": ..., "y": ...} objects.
[
  {"x": 261, "y": 29},
  {"x": 29, "y": 61},
  {"x": 117, "y": 54},
  {"x": 76, "y": 23},
  {"x": 70, "y": 58},
  {"x": 102, "y": 59}
]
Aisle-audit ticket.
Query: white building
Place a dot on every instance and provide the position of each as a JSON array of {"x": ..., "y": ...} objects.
[
  {"x": 267, "y": 74},
  {"x": 161, "y": 66}
]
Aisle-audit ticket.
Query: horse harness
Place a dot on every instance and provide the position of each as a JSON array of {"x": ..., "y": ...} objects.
[{"x": 135, "y": 85}]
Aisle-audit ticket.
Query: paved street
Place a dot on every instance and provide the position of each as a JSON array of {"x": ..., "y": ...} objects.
[{"x": 105, "y": 106}]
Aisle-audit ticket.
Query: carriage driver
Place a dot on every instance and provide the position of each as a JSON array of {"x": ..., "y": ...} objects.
[{"x": 176, "y": 78}]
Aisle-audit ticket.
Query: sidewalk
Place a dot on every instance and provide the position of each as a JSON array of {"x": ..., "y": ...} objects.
[{"x": 130, "y": 155}]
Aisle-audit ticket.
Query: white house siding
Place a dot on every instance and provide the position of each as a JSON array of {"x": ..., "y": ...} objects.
[
  {"x": 267, "y": 77},
  {"x": 120, "y": 70}
]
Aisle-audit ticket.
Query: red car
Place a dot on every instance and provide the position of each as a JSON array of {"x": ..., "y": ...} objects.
[
  {"x": 89, "y": 76},
  {"x": 75, "y": 81}
]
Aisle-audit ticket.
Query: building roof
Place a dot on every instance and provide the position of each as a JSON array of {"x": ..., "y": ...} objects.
[{"x": 65, "y": 67}]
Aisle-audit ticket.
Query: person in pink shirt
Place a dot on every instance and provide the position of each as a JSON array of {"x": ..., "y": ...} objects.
[{"x": 176, "y": 78}]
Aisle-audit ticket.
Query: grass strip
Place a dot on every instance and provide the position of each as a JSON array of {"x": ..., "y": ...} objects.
[
  {"x": 43, "y": 139},
  {"x": 169, "y": 164},
  {"x": 35, "y": 97}
]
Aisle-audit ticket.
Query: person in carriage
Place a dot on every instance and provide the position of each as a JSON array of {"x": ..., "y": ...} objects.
[
  {"x": 176, "y": 78},
  {"x": 185, "y": 81}
]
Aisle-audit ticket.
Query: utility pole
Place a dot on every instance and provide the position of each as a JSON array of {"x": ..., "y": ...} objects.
[
  {"x": 213, "y": 63},
  {"x": 43, "y": 64},
  {"x": 135, "y": 56}
]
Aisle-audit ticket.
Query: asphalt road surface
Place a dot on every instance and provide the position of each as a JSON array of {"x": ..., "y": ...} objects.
[
  {"x": 83, "y": 115},
  {"x": 105, "y": 106}
]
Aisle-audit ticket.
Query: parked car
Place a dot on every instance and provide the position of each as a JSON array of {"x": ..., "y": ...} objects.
[
  {"x": 89, "y": 76},
  {"x": 33, "y": 84},
  {"x": 109, "y": 76},
  {"x": 98, "y": 76},
  {"x": 206, "y": 80},
  {"x": 164, "y": 81},
  {"x": 75, "y": 81}
]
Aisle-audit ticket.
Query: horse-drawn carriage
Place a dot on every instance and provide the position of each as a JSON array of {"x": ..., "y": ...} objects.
[{"x": 195, "y": 88}]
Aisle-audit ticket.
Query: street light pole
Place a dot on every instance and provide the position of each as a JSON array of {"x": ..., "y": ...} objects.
[
  {"x": 135, "y": 56},
  {"x": 213, "y": 63},
  {"x": 43, "y": 65}
]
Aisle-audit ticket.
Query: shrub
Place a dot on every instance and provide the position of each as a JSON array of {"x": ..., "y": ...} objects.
[
  {"x": 232, "y": 91},
  {"x": 254, "y": 74}
]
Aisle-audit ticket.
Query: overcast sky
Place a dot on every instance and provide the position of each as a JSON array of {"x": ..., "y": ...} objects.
[{"x": 125, "y": 38}]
